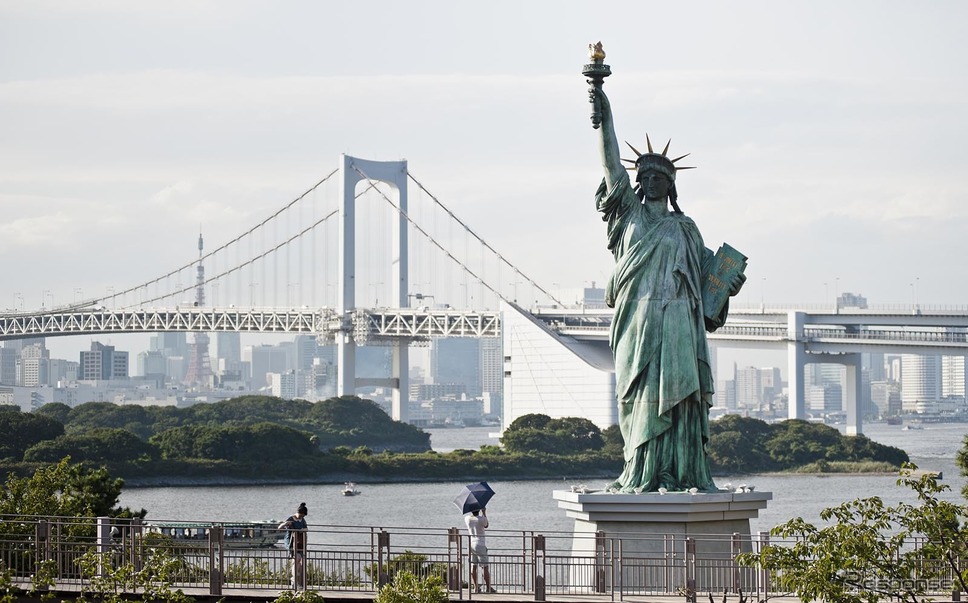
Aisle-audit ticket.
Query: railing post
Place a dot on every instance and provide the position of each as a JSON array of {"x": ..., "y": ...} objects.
[
  {"x": 736, "y": 547},
  {"x": 540, "y": 567},
  {"x": 668, "y": 562},
  {"x": 762, "y": 576},
  {"x": 383, "y": 544},
  {"x": 103, "y": 543},
  {"x": 134, "y": 538},
  {"x": 215, "y": 562},
  {"x": 617, "y": 576},
  {"x": 600, "y": 561},
  {"x": 690, "y": 563},
  {"x": 454, "y": 562},
  {"x": 42, "y": 545}
]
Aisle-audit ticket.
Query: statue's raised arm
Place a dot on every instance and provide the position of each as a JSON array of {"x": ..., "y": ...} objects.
[{"x": 596, "y": 72}]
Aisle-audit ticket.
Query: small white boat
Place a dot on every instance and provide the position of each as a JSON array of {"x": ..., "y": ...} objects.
[{"x": 349, "y": 489}]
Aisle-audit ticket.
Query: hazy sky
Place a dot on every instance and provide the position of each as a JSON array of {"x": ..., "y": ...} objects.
[{"x": 830, "y": 136}]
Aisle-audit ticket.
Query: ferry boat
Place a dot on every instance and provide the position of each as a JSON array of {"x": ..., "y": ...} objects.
[
  {"x": 240, "y": 535},
  {"x": 349, "y": 489}
]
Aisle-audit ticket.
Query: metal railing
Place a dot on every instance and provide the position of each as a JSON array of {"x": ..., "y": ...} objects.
[{"x": 73, "y": 554}]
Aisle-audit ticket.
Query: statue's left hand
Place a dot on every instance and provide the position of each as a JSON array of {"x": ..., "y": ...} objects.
[{"x": 736, "y": 284}]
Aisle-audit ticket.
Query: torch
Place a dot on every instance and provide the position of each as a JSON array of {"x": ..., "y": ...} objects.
[{"x": 596, "y": 72}]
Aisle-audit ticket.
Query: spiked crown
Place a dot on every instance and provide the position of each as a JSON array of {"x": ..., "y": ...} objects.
[{"x": 655, "y": 161}]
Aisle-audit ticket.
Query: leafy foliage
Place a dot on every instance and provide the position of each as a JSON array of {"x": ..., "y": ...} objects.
[
  {"x": 962, "y": 461},
  {"x": 303, "y": 596},
  {"x": 745, "y": 444},
  {"x": 119, "y": 445},
  {"x": 19, "y": 431},
  {"x": 870, "y": 551},
  {"x": 61, "y": 490},
  {"x": 541, "y": 433},
  {"x": 408, "y": 588}
]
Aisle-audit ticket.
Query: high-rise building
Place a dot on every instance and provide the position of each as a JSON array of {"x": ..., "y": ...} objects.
[
  {"x": 62, "y": 372},
  {"x": 103, "y": 362},
  {"x": 152, "y": 364},
  {"x": 457, "y": 360},
  {"x": 886, "y": 397},
  {"x": 920, "y": 381},
  {"x": 726, "y": 394},
  {"x": 8, "y": 364},
  {"x": 228, "y": 346},
  {"x": 749, "y": 388},
  {"x": 264, "y": 359},
  {"x": 304, "y": 352},
  {"x": 283, "y": 385},
  {"x": 954, "y": 370},
  {"x": 825, "y": 398},
  {"x": 33, "y": 366},
  {"x": 492, "y": 365}
]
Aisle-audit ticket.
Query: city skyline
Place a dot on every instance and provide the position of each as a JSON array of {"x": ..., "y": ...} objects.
[{"x": 828, "y": 136}]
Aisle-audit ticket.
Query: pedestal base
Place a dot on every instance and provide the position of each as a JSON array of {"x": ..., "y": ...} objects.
[{"x": 645, "y": 522}]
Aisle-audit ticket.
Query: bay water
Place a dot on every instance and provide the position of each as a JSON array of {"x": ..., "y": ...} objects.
[{"x": 528, "y": 504}]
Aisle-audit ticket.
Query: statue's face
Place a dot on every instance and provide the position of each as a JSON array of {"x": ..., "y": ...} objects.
[{"x": 655, "y": 184}]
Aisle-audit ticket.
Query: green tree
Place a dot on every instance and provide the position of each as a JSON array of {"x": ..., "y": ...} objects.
[
  {"x": 64, "y": 490},
  {"x": 540, "y": 433},
  {"x": 55, "y": 410},
  {"x": 870, "y": 552},
  {"x": 530, "y": 421},
  {"x": 100, "y": 445},
  {"x": 19, "y": 431},
  {"x": 962, "y": 460},
  {"x": 614, "y": 442}
]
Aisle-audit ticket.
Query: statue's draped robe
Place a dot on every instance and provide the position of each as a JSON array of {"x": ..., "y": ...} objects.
[{"x": 663, "y": 379}]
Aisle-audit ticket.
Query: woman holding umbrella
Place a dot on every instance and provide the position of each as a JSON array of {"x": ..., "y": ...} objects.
[
  {"x": 476, "y": 524},
  {"x": 471, "y": 502}
]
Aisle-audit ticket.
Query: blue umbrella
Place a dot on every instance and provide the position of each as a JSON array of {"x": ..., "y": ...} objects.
[{"x": 473, "y": 497}]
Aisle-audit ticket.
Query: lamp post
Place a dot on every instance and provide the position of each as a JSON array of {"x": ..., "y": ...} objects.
[
  {"x": 515, "y": 285},
  {"x": 837, "y": 295},
  {"x": 19, "y": 296},
  {"x": 78, "y": 292},
  {"x": 252, "y": 287},
  {"x": 763, "y": 295},
  {"x": 44, "y": 295},
  {"x": 418, "y": 297}
]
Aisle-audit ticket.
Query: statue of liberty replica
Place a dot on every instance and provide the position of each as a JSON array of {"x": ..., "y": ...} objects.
[{"x": 667, "y": 290}]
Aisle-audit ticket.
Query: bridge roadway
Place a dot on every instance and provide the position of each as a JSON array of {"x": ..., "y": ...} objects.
[
  {"x": 847, "y": 331},
  {"x": 837, "y": 337},
  {"x": 383, "y": 324},
  {"x": 843, "y": 332}
]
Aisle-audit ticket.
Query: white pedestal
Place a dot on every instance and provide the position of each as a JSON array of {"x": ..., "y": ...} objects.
[{"x": 645, "y": 521}]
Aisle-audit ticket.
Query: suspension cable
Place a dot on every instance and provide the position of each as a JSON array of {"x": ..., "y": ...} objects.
[
  {"x": 222, "y": 248},
  {"x": 482, "y": 242}
]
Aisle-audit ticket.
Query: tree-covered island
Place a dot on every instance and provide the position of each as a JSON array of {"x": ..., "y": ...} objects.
[{"x": 260, "y": 439}]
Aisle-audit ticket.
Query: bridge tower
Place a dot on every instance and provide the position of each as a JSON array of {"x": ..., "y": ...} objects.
[
  {"x": 798, "y": 358},
  {"x": 353, "y": 170}
]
